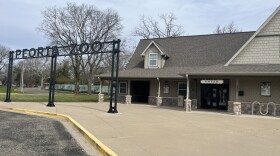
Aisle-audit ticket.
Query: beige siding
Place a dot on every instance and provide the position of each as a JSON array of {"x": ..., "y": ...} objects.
[
  {"x": 160, "y": 62},
  {"x": 173, "y": 88},
  {"x": 198, "y": 93},
  {"x": 273, "y": 27},
  {"x": 251, "y": 88},
  {"x": 153, "y": 87},
  {"x": 232, "y": 90},
  {"x": 263, "y": 49}
]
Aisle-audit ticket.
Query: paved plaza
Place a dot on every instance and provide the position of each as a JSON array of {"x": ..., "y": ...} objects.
[{"x": 149, "y": 130}]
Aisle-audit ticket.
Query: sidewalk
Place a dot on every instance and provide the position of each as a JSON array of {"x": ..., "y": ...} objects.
[{"x": 149, "y": 130}]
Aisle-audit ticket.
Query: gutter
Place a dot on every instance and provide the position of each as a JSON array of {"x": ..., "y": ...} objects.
[{"x": 231, "y": 74}]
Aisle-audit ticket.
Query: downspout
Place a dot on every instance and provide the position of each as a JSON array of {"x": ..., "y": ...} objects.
[
  {"x": 188, "y": 87},
  {"x": 159, "y": 99},
  {"x": 187, "y": 100},
  {"x": 158, "y": 87}
]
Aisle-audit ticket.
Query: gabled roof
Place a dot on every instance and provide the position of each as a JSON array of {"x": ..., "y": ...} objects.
[
  {"x": 190, "y": 54},
  {"x": 253, "y": 36},
  {"x": 191, "y": 51},
  {"x": 160, "y": 48}
]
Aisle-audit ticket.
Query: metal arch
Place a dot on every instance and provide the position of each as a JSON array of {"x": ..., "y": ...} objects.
[
  {"x": 274, "y": 106},
  {"x": 74, "y": 49},
  {"x": 260, "y": 107}
]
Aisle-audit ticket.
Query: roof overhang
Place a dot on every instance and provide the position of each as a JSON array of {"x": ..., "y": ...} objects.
[{"x": 263, "y": 74}]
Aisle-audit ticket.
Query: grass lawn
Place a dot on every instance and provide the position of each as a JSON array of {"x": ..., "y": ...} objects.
[
  {"x": 59, "y": 97},
  {"x": 3, "y": 89}
]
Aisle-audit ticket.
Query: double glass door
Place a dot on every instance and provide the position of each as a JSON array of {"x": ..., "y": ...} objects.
[{"x": 214, "y": 96}]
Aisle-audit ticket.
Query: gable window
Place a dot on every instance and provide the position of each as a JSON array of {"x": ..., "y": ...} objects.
[
  {"x": 123, "y": 88},
  {"x": 153, "y": 59},
  {"x": 182, "y": 88}
]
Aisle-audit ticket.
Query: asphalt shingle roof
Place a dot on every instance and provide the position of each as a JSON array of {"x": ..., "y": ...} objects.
[{"x": 195, "y": 55}]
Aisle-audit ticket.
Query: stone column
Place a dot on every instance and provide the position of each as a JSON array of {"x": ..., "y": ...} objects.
[
  {"x": 237, "y": 108},
  {"x": 100, "y": 98},
  {"x": 128, "y": 99},
  {"x": 188, "y": 104},
  {"x": 159, "y": 101}
]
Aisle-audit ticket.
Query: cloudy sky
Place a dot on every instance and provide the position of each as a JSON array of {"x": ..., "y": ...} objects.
[{"x": 19, "y": 18}]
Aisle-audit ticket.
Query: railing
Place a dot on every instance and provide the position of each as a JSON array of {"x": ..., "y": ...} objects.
[{"x": 262, "y": 104}]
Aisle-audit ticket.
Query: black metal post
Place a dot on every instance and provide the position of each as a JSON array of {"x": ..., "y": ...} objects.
[
  {"x": 10, "y": 74},
  {"x": 52, "y": 81},
  {"x": 111, "y": 108},
  {"x": 117, "y": 52}
]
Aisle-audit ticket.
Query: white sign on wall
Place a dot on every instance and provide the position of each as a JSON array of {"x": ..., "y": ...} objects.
[{"x": 212, "y": 81}]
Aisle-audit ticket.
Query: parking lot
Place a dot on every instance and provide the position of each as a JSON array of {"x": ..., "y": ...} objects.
[{"x": 31, "y": 135}]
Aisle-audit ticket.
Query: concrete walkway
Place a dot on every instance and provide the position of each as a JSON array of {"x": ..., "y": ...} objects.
[{"x": 149, "y": 130}]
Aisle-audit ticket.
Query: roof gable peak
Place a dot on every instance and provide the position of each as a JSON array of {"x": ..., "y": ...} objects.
[
  {"x": 156, "y": 45},
  {"x": 254, "y": 35}
]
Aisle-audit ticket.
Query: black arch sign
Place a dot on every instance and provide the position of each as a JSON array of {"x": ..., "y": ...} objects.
[{"x": 72, "y": 49}]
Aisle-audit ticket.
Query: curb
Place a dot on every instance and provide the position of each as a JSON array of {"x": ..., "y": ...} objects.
[{"x": 97, "y": 144}]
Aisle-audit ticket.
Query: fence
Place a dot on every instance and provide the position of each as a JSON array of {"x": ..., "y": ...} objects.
[{"x": 82, "y": 88}]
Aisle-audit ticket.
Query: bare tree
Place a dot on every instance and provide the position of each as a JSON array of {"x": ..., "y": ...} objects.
[
  {"x": 39, "y": 67},
  {"x": 230, "y": 28},
  {"x": 126, "y": 50},
  {"x": 4, "y": 56},
  {"x": 164, "y": 27},
  {"x": 81, "y": 23}
]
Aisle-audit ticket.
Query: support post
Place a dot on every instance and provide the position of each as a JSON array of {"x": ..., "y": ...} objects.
[
  {"x": 116, "y": 51},
  {"x": 236, "y": 90},
  {"x": 128, "y": 96},
  {"x": 188, "y": 100},
  {"x": 100, "y": 95},
  {"x": 237, "y": 104},
  {"x": 52, "y": 82},
  {"x": 159, "y": 98},
  {"x": 10, "y": 74}
]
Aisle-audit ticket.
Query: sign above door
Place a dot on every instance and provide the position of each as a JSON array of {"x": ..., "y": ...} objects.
[{"x": 212, "y": 81}]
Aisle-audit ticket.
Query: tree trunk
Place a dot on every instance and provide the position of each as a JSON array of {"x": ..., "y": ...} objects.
[
  {"x": 77, "y": 84},
  {"x": 89, "y": 86},
  {"x": 90, "y": 81},
  {"x": 42, "y": 82},
  {"x": 77, "y": 88}
]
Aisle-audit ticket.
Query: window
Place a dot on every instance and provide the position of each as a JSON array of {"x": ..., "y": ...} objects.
[
  {"x": 153, "y": 59},
  {"x": 123, "y": 88},
  {"x": 182, "y": 88},
  {"x": 265, "y": 88}
]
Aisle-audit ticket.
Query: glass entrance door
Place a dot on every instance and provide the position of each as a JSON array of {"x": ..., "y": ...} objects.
[{"x": 214, "y": 96}]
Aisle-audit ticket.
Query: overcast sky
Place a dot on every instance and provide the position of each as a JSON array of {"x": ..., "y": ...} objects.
[{"x": 19, "y": 18}]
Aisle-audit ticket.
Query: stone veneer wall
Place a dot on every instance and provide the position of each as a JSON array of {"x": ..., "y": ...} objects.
[
  {"x": 166, "y": 101},
  {"x": 121, "y": 98},
  {"x": 152, "y": 100},
  {"x": 246, "y": 108},
  {"x": 170, "y": 101}
]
